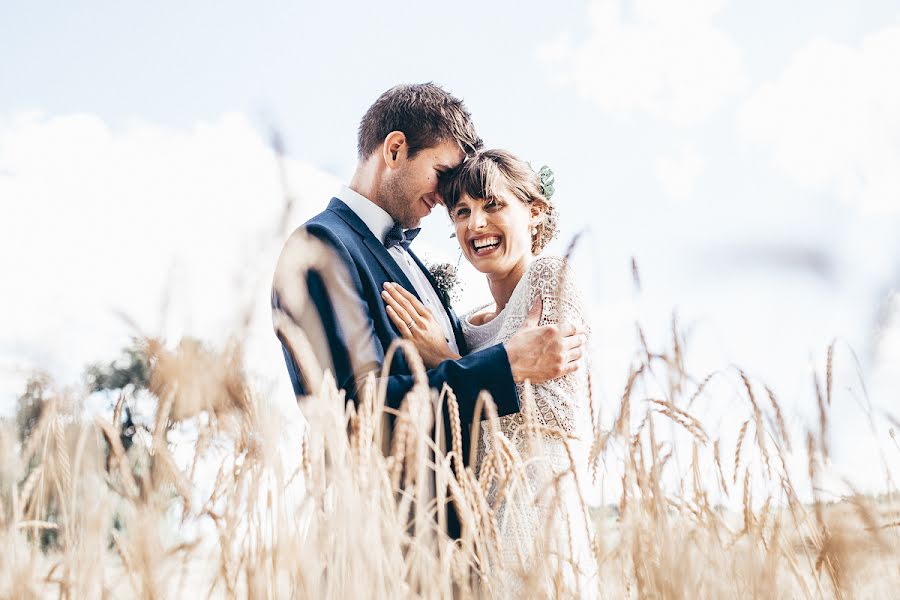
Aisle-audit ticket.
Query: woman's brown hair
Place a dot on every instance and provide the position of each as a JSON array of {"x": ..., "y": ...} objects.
[{"x": 486, "y": 174}]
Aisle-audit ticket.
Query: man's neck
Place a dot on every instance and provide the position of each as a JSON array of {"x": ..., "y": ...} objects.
[{"x": 366, "y": 182}]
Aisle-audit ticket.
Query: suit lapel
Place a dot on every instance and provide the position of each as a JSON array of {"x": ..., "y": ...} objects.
[
  {"x": 445, "y": 301},
  {"x": 375, "y": 246}
]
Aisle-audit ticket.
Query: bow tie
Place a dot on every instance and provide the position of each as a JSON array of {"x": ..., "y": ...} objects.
[{"x": 396, "y": 235}]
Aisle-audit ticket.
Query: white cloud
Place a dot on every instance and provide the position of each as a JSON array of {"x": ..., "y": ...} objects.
[
  {"x": 144, "y": 220},
  {"x": 679, "y": 173},
  {"x": 833, "y": 119},
  {"x": 665, "y": 59}
]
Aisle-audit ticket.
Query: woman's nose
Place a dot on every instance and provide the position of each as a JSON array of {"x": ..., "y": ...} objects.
[{"x": 477, "y": 220}]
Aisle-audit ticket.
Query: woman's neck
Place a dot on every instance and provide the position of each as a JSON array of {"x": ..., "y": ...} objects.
[{"x": 503, "y": 284}]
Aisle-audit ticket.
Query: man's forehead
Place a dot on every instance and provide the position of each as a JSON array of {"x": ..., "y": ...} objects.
[{"x": 448, "y": 154}]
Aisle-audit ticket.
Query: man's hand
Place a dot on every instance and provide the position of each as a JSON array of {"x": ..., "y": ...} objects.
[{"x": 543, "y": 353}]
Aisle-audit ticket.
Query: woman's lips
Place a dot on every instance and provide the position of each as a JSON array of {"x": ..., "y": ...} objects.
[{"x": 485, "y": 245}]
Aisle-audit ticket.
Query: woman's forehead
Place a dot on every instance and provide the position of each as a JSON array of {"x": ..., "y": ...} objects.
[{"x": 499, "y": 191}]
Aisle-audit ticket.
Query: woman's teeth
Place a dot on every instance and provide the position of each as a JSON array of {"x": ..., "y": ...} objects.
[{"x": 484, "y": 244}]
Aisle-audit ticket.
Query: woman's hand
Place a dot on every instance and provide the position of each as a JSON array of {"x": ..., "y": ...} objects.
[{"x": 417, "y": 324}]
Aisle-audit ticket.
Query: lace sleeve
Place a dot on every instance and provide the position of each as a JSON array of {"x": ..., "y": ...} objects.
[
  {"x": 553, "y": 280},
  {"x": 561, "y": 403}
]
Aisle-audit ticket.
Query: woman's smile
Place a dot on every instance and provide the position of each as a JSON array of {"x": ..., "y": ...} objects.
[{"x": 486, "y": 244}]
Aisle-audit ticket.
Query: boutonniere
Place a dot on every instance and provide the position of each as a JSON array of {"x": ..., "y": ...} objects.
[{"x": 447, "y": 279}]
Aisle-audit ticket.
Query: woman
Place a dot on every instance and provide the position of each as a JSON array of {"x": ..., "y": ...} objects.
[{"x": 503, "y": 217}]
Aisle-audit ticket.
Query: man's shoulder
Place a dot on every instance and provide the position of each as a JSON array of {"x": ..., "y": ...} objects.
[
  {"x": 323, "y": 235},
  {"x": 327, "y": 224},
  {"x": 331, "y": 228},
  {"x": 325, "y": 218}
]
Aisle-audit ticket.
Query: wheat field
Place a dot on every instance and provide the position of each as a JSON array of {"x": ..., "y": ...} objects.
[
  {"x": 352, "y": 513},
  {"x": 208, "y": 495}
]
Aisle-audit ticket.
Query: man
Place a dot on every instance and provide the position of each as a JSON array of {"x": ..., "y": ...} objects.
[{"x": 407, "y": 138}]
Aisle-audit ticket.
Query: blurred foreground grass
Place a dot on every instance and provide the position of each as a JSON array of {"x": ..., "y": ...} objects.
[{"x": 204, "y": 496}]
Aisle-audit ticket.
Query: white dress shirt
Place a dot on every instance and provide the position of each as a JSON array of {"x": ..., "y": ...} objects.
[{"x": 379, "y": 223}]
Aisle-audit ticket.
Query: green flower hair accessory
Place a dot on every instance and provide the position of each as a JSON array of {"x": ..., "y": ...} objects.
[{"x": 548, "y": 181}]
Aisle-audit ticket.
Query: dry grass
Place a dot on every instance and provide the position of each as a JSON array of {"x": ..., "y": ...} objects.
[
  {"x": 349, "y": 511},
  {"x": 349, "y": 520}
]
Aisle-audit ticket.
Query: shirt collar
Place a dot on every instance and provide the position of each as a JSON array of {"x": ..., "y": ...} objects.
[{"x": 376, "y": 218}]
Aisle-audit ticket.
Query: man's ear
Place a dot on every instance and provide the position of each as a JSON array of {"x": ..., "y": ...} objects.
[{"x": 394, "y": 148}]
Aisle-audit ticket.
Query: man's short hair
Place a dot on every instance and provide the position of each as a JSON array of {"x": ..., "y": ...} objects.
[{"x": 425, "y": 113}]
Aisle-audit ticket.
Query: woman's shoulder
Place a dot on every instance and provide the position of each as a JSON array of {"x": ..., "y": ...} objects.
[
  {"x": 553, "y": 279},
  {"x": 547, "y": 271},
  {"x": 550, "y": 262}
]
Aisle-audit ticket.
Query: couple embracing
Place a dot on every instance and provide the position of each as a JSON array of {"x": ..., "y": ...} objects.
[{"x": 418, "y": 149}]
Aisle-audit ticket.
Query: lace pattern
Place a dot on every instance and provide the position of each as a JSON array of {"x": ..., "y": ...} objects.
[
  {"x": 479, "y": 337},
  {"x": 557, "y": 403},
  {"x": 557, "y": 406}
]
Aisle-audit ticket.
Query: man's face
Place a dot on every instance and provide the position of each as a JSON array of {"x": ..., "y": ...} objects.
[{"x": 410, "y": 191}]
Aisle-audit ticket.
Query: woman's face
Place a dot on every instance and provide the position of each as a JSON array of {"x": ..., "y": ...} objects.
[{"x": 495, "y": 233}]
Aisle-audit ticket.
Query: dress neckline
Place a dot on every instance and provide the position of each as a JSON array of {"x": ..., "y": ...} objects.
[
  {"x": 477, "y": 310},
  {"x": 499, "y": 316}
]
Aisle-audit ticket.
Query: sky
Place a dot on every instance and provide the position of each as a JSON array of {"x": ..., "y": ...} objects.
[{"x": 746, "y": 155}]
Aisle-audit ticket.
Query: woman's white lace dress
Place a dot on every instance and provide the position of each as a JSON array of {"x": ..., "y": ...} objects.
[{"x": 542, "y": 525}]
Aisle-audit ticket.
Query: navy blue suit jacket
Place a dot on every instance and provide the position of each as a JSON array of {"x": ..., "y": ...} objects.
[{"x": 369, "y": 266}]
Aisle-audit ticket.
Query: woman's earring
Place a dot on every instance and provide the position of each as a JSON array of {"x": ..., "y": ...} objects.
[{"x": 534, "y": 231}]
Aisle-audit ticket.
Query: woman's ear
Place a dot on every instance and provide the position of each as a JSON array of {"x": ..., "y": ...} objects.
[
  {"x": 394, "y": 148},
  {"x": 537, "y": 213}
]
